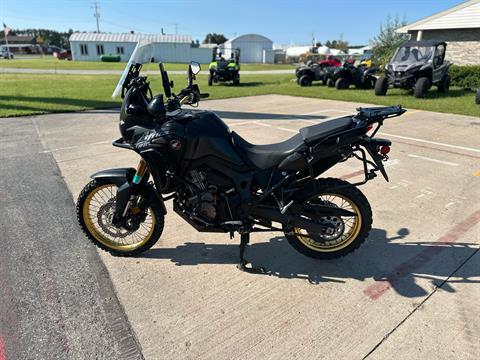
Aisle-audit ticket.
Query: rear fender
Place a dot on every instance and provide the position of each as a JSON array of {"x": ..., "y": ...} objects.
[{"x": 372, "y": 146}]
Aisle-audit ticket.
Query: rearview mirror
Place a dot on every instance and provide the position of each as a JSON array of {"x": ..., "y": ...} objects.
[{"x": 195, "y": 67}]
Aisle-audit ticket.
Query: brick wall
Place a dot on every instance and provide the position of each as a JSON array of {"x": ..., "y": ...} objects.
[{"x": 463, "y": 44}]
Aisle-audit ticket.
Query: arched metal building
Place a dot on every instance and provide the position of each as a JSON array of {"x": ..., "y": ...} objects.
[{"x": 254, "y": 48}]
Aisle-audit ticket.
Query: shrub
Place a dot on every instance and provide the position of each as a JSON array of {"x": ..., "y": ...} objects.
[{"x": 467, "y": 76}]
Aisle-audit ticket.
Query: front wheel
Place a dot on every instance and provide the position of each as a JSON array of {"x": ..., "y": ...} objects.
[
  {"x": 349, "y": 232},
  {"x": 342, "y": 83},
  {"x": 305, "y": 80},
  {"x": 421, "y": 87},
  {"x": 236, "y": 79},
  {"x": 95, "y": 208},
  {"x": 381, "y": 86}
]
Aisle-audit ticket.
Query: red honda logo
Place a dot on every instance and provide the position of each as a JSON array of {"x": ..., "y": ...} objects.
[{"x": 175, "y": 144}]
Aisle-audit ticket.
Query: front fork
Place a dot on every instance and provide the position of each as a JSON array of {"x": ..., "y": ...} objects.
[{"x": 127, "y": 193}]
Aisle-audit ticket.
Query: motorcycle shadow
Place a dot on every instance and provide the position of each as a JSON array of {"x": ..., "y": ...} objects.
[{"x": 381, "y": 258}]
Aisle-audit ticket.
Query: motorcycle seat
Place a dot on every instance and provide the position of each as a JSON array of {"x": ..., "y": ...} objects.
[
  {"x": 314, "y": 133},
  {"x": 266, "y": 156}
]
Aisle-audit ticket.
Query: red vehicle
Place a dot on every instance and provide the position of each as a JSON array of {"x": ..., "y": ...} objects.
[
  {"x": 63, "y": 55},
  {"x": 330, "y": 61},
  {"x": 316, "y": 71}
]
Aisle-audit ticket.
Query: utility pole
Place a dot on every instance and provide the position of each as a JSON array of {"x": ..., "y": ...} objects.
[
  {"x": 176, "y": 29},
  {"x": 96, "y": 15}
]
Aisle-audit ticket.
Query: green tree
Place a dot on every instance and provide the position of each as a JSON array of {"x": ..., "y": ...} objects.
[
  {"x": 214, "y": 38},
  {"x": 47, "y": 37},
  {"x": 388, "y": 40},
  {"x": 338, "y": 44}
]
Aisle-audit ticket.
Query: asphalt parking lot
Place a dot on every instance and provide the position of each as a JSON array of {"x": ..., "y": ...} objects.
[{"x": 411, "y": 291}]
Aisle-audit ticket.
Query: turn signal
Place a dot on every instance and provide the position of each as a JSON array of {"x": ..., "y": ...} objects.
[{"x": 384, "y": 150}]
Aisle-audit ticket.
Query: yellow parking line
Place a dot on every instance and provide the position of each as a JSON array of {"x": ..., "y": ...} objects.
[
  {"x": 410, "y": 112},
  {"x": 477, "y": 173}
]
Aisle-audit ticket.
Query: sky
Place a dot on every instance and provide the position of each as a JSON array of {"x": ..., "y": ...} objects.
[{"x": 285, "y": 22}]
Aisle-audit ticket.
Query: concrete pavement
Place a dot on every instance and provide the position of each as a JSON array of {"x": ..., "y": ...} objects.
[
  {"x": 56, "y": 298},
  {"x": 410, "y": 291}
]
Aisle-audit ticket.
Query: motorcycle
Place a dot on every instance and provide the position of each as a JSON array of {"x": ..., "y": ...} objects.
[{"x": 219, "y": 182}]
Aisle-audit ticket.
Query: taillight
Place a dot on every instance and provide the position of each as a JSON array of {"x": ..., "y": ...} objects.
[
  {"x": 384, "y": 150},
  {"x": 369, "y": 127}
]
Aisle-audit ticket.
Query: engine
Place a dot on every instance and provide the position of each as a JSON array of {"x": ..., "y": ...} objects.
[{"x": 201, "y": 199}]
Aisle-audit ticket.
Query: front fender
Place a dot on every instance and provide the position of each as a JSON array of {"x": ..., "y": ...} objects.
[
  {"x": 117, "y": 176},
  {"x": 122, "y": 177}
]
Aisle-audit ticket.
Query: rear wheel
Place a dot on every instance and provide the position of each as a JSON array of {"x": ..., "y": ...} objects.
[
  {"x": 444, "y": 86},
  {"x": 349, "y": 232},
  {"x": 95, "y": 209},
  {"x": 305, "y": 80},
  {"x": 342, "y": 83},
  {"x": 421, "y": 87}
]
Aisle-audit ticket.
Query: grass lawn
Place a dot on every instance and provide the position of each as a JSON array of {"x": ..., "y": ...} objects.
[
  {"x": 24, "y": 94},
  {"x": 52, "y": 63}
]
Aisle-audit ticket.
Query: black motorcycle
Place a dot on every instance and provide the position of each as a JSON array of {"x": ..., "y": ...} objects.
[{"x": 219, "y": 182}]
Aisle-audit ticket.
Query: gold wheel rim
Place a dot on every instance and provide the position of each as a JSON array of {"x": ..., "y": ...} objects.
[
  {"x": 90, "y": 212},
  {"x": 346, "y": 238}
]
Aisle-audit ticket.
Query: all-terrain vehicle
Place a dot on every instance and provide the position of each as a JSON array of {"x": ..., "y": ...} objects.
[
  {"x": 417, "y": 65},
  {"x": 477, "y": 98},
  {"x": 5, "y": 53},
  {"x": 316, "y": 71},
  {"x": 222, "y": 70},
  {"x": 362, "y": 76}
]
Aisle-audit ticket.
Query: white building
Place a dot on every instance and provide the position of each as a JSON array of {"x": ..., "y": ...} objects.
[
  {"x": 254, "y": 48},
  {"x": 459, "y": 26},
  {"x": 167, "y": 48},
  {"x": 364, "y": 51}
]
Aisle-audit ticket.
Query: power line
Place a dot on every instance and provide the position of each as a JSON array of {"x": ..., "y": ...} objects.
[{"x": 96, "y": 15}]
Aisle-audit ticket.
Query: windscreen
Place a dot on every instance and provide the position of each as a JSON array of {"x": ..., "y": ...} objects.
[
  {"x": 142, "y": 54},
  {"x": 413, "y": 54}
]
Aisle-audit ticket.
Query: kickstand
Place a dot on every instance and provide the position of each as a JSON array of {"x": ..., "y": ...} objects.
[{"x": 244, "y": 240}]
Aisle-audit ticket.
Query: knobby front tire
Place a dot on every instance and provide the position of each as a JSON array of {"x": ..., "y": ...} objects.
[{"x": 93, "y": 216}]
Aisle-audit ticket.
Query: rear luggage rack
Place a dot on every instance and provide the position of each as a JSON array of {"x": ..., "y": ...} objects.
[{"x": 378, "y": 114}]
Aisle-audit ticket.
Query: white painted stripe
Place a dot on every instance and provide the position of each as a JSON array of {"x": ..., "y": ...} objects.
[
  {"x": 328, "y": 110},
  {"x": 262, "y": 124},
  {"x": 432, "y": 142},
  {"x": 241, "y": 122},
  {"x": 290, "y": 130},
  {"x": 433, "y": 160}
]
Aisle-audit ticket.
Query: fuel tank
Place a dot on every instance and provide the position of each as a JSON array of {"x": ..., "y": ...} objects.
[{"x": 208, "y": 136}]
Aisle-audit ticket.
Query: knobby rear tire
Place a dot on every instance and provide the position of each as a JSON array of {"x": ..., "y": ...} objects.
[
  {"x": 157, "y": 230},
  {"x": 345, "y": 189}
]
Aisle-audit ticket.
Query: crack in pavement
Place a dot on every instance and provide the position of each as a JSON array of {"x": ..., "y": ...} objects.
[{"x": 420, "y": 305}]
